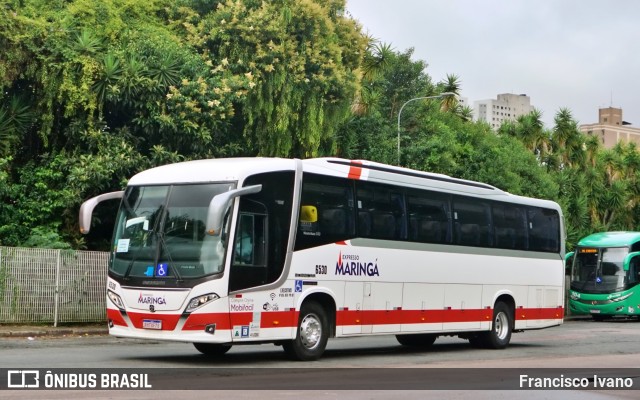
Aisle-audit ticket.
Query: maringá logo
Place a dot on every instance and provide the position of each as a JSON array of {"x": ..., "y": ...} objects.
[{"x": 351, "y": 265}]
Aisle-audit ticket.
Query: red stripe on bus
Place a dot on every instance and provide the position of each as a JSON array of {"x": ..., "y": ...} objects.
[
  {"x": 268, "y": 319},
  {"x": 379, "y": 317},
  {"x": 197, "y": 322},
  {"x": 289, "y": 318},
  {"x": 355, "y": 172},
  {"x": 539, "y": 313},
  {"x": 116, "y": 317}
]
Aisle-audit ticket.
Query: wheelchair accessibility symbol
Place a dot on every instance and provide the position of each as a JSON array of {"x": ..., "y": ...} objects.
[
  {"x": 161, "y": 270},
  {"x": 298, "y": 286}
]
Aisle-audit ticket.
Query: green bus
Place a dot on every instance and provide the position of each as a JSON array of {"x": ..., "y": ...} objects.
[{"x": 605, "y": 273}]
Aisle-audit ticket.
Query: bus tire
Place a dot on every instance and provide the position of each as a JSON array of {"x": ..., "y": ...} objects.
[
  {"x": 417, "y": 340},
  {"x": 502, "y": 326},
  {"x": 212, "y": 349},
  {"x": 477, "y": 341},
  {"x": 312, "y": 334}
]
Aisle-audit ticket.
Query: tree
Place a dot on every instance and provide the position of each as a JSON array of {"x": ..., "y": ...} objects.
[
  {"x": 373, "y": 135},
  {"x": 450, "y": 85},
  {"x": 302, "y": 58}
]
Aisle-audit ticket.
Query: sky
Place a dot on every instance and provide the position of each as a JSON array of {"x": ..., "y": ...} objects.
[{"x": 577, "y": 54}]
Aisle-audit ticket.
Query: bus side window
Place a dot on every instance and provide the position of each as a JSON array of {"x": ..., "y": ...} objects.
[
  {"x": 428, "y": 220},
  {"x": 326, "y": 214},
  {"x": 472, "y": 222},
  {"x": 543, "y": 230},
  {"x": 384, "y": 204},
  {"x": 509, "y": 226}
]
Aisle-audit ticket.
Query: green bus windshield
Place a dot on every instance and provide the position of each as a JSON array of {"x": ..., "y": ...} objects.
[{"x": 600, "y": 270}]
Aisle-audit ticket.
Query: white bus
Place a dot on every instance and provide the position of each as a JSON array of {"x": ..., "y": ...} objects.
[{"x": 257, "y": 250}]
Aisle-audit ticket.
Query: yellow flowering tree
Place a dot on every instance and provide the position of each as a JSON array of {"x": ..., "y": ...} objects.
[{"x": 300, "y": 59}]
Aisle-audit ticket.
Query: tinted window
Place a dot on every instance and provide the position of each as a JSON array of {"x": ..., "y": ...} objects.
[
  {"x": 261, "y": 237},
  {"x": 326, "y": 211},
  {"x": 471, "y": 221},
  {"x": 381, "y": 211},
  {"x": 510, "y": 226},
  {"x": 428, "y": 217},
  {"x": 544, "y": 230}
]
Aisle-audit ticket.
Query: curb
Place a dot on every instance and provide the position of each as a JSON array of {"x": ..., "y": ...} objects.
[{"x": 22, "y": 332}]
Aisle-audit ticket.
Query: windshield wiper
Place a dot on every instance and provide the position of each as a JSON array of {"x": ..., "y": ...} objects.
[{"x": 163, "y": 244}]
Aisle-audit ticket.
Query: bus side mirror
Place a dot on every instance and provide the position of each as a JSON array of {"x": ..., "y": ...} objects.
[
  {"x": 219, "y": 205},
  {"x": 568, "y": 261},
  {"x": 628, "y": 258},
  {"x": 86, "y": 209}
]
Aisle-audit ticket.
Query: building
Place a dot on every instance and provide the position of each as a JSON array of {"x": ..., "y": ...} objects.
[
  {"x": 611, "y": 128},
  {"x": 507, "y": 107}
]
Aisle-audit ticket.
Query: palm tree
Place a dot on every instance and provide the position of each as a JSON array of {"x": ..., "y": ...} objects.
[
  {"x": 530, "y": 131},
  {"x": 592, "y": 146},
  {"x": 376, "y": 61},
  {"x": 450, "y": 85},
  {"x": 567, "y": 138},
  {"x": 15, "y": 119},
  {"x": 465, "y": 113}
]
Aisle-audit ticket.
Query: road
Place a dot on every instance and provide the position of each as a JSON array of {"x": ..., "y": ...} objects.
[{"x": 371, "y": 362}]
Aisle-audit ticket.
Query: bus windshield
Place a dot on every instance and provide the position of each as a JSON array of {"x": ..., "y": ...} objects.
[
  {"x": 160, "y": 233},
  {"x": 599, "y": 270}
]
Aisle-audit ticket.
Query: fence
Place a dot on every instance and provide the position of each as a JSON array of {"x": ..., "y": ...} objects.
[{"x": 52, "y": 286}]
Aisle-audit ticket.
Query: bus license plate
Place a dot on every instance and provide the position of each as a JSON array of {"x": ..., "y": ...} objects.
[
  {"x": 151, "y": 324},
  {"x": 594, "y": 311}
]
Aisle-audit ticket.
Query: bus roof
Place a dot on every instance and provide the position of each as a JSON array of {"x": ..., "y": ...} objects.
[
  {"x": 210, "y": 170},
  {"x": 237, "y": 169},
  {"x": 610, "y": 239}
]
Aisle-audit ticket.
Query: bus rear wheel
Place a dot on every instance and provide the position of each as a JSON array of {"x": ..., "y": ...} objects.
[
  {"x": 501, "y": 328},
  {"x": 212, "y": 349},
  {"x": 500, "y": 334},
  {"x": 312, "y": 334},
  {"x": 416, "y": 340}
]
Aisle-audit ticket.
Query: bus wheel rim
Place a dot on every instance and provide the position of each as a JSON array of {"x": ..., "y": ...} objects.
[
  {"x": 501, "y": 326},
  {"x": 310, "y": 331}
]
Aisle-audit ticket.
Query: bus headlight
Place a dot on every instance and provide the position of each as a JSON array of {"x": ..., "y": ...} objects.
[
  {"x": 199, "y": 301},
  {"x": 115, "y": 299}
]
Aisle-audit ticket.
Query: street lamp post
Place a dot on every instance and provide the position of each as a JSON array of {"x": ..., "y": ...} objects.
[{"x": 445, "y": 94}]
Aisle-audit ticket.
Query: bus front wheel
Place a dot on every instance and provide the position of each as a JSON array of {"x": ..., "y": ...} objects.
[
  {"x": 212, "y": 349},
  {"x": 312, "y": 334}
]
